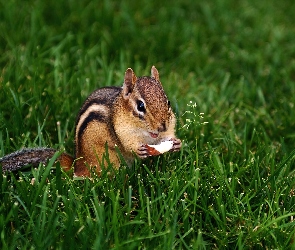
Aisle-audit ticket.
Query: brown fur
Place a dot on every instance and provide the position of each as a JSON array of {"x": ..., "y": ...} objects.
[
  {"x": 124, "y": 126},
  {"x": 126, "y": 118}
]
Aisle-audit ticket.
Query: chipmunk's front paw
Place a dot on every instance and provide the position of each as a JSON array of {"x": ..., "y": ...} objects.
[
  {"x": 176, "y": 145},
  {"x": 142, "y": 152},
  {"x": 171, "y": 145}
]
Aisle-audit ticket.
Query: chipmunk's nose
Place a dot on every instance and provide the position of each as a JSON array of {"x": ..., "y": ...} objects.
[{"x": 162, "y": 127}]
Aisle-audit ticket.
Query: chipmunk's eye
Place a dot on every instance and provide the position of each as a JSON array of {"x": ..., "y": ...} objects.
[
  {"x": 169, "y": 107},
  {"x": 140, "y": 106}
]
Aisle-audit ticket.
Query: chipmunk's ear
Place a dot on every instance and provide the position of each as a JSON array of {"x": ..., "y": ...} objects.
[
  {"x": 155, "y": 73},
  {"x": 129, "y": 82}
]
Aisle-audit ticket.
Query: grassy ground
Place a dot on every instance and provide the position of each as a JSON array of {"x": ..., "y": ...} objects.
[{"x": 228, "y": 68}]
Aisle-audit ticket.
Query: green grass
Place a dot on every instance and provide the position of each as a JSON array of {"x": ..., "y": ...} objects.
[{"x": 228, "y": 68}]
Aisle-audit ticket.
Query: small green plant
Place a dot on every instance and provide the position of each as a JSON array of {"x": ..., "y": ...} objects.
[{"x": 193, "y": 121}]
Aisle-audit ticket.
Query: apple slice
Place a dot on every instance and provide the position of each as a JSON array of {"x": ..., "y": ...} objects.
[{"x": 161, "y": 148}]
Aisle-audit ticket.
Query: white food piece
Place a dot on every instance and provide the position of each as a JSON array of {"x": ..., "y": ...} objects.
[{"x": 163, "y": 147}]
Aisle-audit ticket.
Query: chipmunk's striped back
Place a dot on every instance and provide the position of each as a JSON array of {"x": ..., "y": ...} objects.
[
  {"x": 97, "y": 107},
  {"x": 94, "y": 128}
]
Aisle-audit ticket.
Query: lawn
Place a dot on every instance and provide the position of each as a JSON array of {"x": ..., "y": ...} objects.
[{"x": 228, "y": 68}]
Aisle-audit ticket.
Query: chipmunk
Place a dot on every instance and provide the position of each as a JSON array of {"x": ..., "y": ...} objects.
[{"x": 126, "y": 118}]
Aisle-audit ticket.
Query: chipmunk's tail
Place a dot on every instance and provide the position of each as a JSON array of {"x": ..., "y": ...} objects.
[{"x": 33, "y": 157}]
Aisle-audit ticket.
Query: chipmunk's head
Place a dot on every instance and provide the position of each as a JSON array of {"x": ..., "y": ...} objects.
[{"x": 147, "y": 103}]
